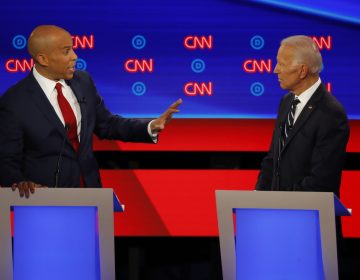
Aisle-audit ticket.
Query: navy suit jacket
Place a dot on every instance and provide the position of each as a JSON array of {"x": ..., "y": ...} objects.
[
  {"x": 314, "y": 152},
  {"x": 32, "y": 136}
]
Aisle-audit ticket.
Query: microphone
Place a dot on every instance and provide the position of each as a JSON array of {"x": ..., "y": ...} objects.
[{"x": 58, "y": 164}]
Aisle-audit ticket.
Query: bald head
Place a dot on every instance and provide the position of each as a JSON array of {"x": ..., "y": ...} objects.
[
  {"x": 43, "y": 38},
  {"x": 51, "y": 47}
]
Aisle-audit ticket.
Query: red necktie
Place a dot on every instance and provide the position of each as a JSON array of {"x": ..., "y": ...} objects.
[
  {"x": 69, "y": 118},
  {"x": 70, "y": 121}
]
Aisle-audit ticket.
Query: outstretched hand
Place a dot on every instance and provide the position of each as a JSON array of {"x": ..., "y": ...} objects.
[
  {"x": 25, "y": 188},
  {"x": 158, "y": 124}
]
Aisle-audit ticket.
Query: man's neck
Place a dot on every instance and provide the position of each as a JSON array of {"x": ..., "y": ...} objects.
[
  {"x": 43, "y": 72},
  {"x": 305, "y": 84}
]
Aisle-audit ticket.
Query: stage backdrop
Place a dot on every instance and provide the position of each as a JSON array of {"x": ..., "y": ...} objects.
[{"x": 218, "y": 56}]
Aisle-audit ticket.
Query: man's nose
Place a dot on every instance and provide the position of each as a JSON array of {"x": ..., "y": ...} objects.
[
  {"x": 276, "y": 70},
  {"x": 74, "y": 56}
]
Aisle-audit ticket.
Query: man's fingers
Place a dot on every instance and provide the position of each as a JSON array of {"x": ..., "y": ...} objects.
[
  {"x": 21, "y": 190},
  {"x": 159, "y": 123},
  {"x": 176, "y": 104},
  {"x": 32, "y": 187},
  {"x": 168, "y": 114},
  {"x": 172, "y": 109},
  {"x": 26, "y": 188}
]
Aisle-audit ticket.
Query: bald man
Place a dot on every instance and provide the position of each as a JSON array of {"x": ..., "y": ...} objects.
[
  {"x": 47, "y": 120},
  {"x": 311, "y": 132}
]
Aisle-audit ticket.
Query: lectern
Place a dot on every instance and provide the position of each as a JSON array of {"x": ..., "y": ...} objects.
[
  {"x": 278, "y": 235},
  {"x": 60, "y": 233}
]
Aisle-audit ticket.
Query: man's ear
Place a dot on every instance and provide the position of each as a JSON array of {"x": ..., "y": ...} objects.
[
  {"x": 42, "y": 59},
  {"x": 304, "y": 70}
]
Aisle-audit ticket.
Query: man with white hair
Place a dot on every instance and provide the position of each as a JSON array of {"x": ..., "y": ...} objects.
[{"x": 311, "y": 132}]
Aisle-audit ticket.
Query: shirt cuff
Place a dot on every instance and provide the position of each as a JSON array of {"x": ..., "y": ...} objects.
[{"x": 153, "y": 136}]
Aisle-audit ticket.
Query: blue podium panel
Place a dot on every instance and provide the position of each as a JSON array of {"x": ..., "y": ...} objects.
[
  {"x": 279, "y": 244},
  {"x": 56, "y": 242}
]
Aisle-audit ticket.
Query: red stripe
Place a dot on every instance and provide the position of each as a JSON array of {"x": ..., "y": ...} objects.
[
  {"x": 182, "y": 202},
  {"x": 216, "y": 135}
]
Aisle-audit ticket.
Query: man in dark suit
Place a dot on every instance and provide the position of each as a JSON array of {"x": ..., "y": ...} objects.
[
  {"x": 311, "y": 131},
  {"x": 308, "y": 146},
  {"x": 48, "y": 119}
]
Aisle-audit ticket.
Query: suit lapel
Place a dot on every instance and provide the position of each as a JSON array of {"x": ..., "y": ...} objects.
[
  {"x": 310, "y": 107},
  {"x": 82, "y": 103},
  {"x": 44, "y": 105},
  {"x": 286, "y": 108},
  {"x": 283, "y": 112}
]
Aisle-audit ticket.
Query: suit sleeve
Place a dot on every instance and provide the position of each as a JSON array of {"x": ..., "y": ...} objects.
[
  {"x": 11, "y": 148},
  {"x": 266, "y": 173},
  {"x": 114, "y": 127},
  {"x": 328, "y": 155}
]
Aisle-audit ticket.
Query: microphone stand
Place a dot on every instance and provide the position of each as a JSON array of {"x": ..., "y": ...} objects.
[{"x": 58, "y": 164}]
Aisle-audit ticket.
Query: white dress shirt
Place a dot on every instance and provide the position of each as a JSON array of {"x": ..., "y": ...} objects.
[
  {"x": 48, "y": 87},
  {"x": 304, "y": 97}
]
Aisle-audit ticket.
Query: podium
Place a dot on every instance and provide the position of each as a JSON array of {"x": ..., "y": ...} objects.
[
  {"x": 278, "y": 235},
  {"x": 62, "y": 233}
]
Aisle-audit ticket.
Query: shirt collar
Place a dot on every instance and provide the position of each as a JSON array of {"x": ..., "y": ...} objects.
[
  {"x": 46, "y": 84},
  {"x": 306, "y": 95}
]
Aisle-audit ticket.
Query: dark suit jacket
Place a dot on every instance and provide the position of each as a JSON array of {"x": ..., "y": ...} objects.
[
  {"x": 313, "y": 154},
  {"x": 32, "y": 135}
]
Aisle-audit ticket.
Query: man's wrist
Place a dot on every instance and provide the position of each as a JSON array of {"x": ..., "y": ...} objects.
[{"x": 153, "y": 136}]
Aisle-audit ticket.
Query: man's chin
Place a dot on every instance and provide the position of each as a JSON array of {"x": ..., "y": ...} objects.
[
  {"x": 69, "y": 76},
  {"x": 282, "y": 86}
]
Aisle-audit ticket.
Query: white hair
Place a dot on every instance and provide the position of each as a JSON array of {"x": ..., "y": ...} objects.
[{"x": 306, "y": 52}]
